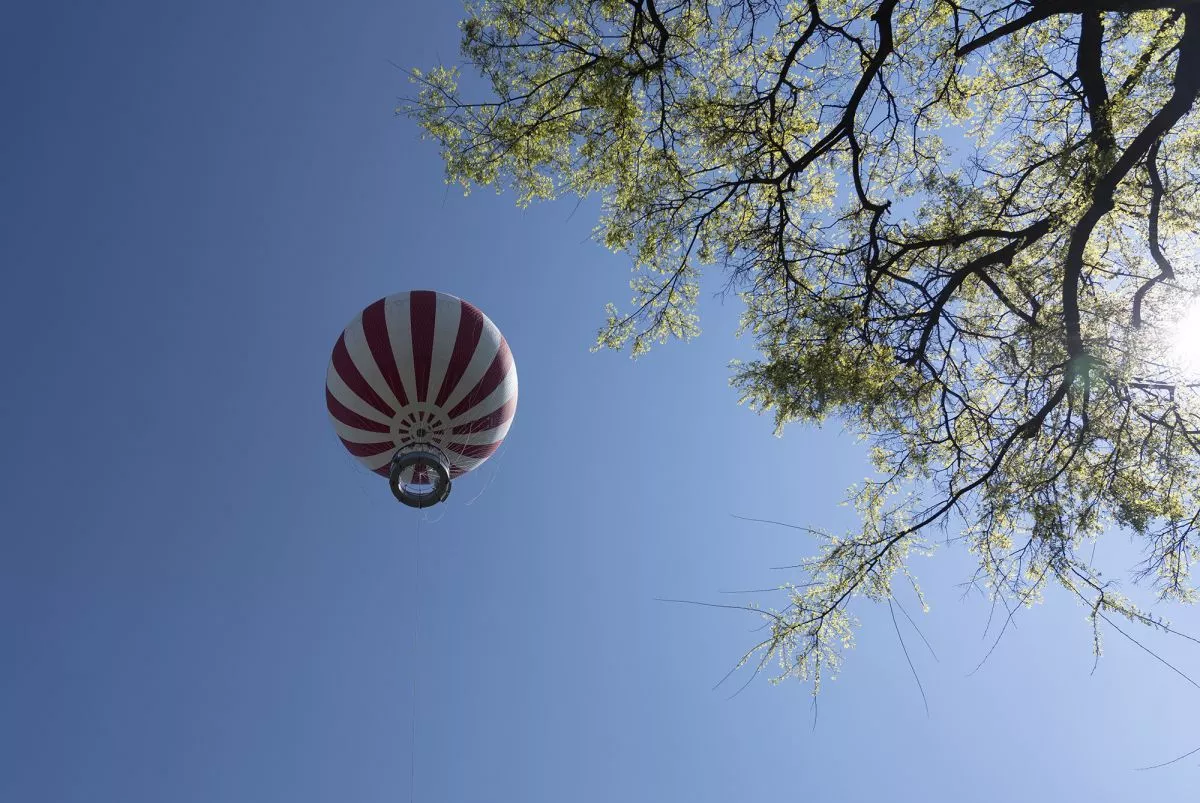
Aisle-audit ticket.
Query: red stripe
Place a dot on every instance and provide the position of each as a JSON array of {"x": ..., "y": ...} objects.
[
  {"x": 354, "y": 380},
  {"x": 374, "y": 323},
  {"x": 455, "y": 471},
  {"x": 422, "y": 318},
  {"x": 470, "y": 328},
  {"x": 367, "y": 449},
  {"x": 476, "y": 451},
  {"x": 489, "y": 421},
  {"x": 350, "y": 418},
  {"x": 500, "y": 368},
  {"x": 384, "y": 471}
]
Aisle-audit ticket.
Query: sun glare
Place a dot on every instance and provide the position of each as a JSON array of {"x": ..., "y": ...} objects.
[{"x": 1185, "y": 340}]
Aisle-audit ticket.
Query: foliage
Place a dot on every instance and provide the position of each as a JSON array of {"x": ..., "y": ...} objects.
[{"x": 964, "y": 227}]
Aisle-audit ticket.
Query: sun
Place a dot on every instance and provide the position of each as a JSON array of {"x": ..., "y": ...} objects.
[{"x": 1185, "y": 340}]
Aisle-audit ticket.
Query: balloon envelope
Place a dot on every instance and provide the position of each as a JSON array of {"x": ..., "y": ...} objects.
[{"x": 417, "y": 369}]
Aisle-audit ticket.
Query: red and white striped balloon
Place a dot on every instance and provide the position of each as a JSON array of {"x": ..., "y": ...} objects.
[{"x": 421, "y": 367}]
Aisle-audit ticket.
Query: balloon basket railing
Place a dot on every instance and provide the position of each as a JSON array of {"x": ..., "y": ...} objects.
[{"x": 420, "y": 475}]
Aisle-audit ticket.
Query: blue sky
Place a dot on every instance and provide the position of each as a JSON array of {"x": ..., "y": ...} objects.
[{"x": 203, "y": 598}]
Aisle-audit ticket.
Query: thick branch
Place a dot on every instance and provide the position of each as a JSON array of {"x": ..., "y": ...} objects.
[
  {"x": 660, "y": 46},
  {"x": 1049, "y": 8},
  {"x": 1186, "y": 86},
  {"x": 1091, "y": 74}
]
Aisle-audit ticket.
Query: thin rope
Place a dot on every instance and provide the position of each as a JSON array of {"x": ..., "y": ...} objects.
[
  {"x": 490, "y": 479},
  {"x": 412, "y": 759}
]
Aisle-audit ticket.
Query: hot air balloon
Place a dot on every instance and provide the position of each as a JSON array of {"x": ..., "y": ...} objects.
[{"x": 421, "y": 388}]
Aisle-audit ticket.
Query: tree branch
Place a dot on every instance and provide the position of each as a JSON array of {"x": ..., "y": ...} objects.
[{"x": 1165, "y": 271}]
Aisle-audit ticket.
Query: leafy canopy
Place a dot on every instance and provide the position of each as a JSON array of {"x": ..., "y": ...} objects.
[{"x": 964, "y": 227}]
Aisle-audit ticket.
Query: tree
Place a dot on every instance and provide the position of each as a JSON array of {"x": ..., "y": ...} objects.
[{"x": 964, "y": 227}]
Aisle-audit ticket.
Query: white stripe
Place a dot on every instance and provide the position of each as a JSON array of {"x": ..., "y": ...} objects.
[
  {"x": 377, "y": 461},
  {"x": 350, "y": 399},
  {"x": 364, "y": 360},
  {"x": 446, "y": 317},
  {"x": 481, "y": 438},
  {"x": 506, "y": 390},
  {"x": 485, "y": 352},
  {"x": 398, "y": 315},
  {"x": 360, "y": 435},
  {"x": 463, "y": 463}
]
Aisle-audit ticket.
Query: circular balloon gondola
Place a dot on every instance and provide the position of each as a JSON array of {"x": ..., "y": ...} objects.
[{"x": 421, "y": 388}]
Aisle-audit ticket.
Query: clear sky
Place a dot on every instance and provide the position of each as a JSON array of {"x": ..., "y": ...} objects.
[{"x": 203, "y": 598}]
